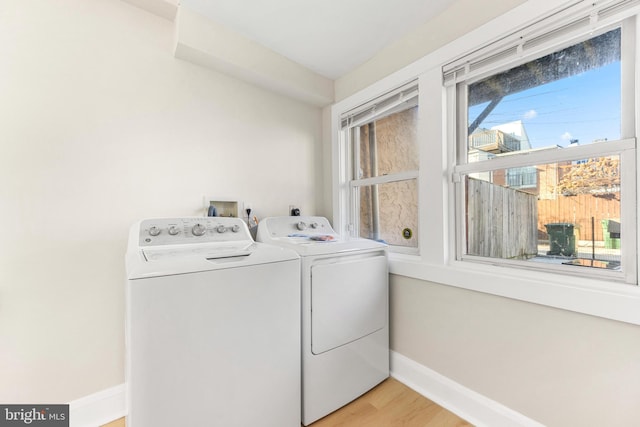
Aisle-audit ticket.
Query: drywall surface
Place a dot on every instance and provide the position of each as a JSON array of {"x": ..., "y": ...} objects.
[
  {"x": 206, "y": 43},
  {"x": 102, "y": 126},
  {"x": 554, "y": 366},
  {"x": 459, "y": 19}
]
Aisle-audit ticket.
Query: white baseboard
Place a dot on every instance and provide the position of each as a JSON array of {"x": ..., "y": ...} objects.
[
  {"x": 108, "y": 405},
  {"x": 98, "y": 408},
  {"x": 473, "y": 407}
]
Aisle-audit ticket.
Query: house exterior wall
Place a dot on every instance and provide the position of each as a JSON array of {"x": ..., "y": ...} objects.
[{"x": 397, "y": 151}]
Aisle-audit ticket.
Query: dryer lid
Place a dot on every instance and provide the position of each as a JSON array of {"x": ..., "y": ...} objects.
[{"x": 309, "y": 235}]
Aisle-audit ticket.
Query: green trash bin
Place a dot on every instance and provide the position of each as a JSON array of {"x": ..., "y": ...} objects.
[
  {"x": 611, "y": 240},
  {"x": 562, "y": 241}
]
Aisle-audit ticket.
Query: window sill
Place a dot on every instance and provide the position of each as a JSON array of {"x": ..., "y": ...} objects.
[{"x": 610, "y": 300}]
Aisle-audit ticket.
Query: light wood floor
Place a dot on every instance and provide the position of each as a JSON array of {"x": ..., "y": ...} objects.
[
  {"x": 391, "y": 404},
  {"x": 116, "y": 423}
]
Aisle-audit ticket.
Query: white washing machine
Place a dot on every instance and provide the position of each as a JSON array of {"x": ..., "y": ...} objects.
[
  {"x": 212, "y": 326},
  {"x": 345, "y": 332}
]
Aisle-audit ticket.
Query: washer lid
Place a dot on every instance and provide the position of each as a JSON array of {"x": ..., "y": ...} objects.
[
  {"x": 208, "y": 251},
  {"x": 169, "y": 246},
  {"x": 145, "y": 263}
]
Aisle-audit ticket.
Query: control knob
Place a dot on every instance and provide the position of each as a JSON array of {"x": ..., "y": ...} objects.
[
  {"x": 301, "y": 225},
  {"x": 173, "y": 230},
  {"x": 154, "y": 231},
  {"x": 198, "y": 229},
  {"x": 235, "y": 228},
  {"x": 221, "y": 229},
  {"x": 314, "y": 225}
]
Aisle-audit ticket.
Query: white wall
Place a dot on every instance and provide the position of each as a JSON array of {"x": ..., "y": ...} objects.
[
  {"x": 207, "y": 43},
  {"x": 460, "y": 18},
  {"x": 102, "y": 126},
  {"x": 554, "y": 366},
  {"x": 557, "y": 367}
]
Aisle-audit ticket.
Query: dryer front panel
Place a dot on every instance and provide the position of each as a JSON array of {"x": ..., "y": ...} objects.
[{"x": 349, "y": 300}]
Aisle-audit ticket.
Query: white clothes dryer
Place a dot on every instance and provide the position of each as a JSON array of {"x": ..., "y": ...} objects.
[
  {"x": 345, "y": 332},
  {"x": 212, "y": 326}
]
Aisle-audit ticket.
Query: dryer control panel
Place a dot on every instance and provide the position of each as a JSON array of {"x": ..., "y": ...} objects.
[
  {"x": 296, "y": 226},
  {"x": 176, "y": 231}
]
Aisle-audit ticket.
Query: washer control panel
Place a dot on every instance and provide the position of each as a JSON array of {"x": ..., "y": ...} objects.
[{"x": 177, "y": 231}]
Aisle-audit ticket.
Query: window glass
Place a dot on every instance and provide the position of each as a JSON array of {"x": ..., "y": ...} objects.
[
  {"x": 389, "y": 212},
  {"x": 570, "y": 216},
  {"x": 565, "y": 212},
  {"x": 566, "y": 98},
  {"x": 389, "y": 145},
  {"x": 383, "y": 143}
]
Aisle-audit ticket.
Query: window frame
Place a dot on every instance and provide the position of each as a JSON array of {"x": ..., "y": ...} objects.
[
  {"x": 352, "y": 157},
  {"x": 625, "y": 148}
]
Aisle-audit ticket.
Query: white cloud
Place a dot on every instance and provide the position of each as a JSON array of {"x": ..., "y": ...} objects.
[
  {"x": 531, "y": 114},
  {"x": 567, "y": 136}
]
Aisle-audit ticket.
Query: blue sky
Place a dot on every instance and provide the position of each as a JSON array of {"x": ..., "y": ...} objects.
[{"x": 584, "y": 107}]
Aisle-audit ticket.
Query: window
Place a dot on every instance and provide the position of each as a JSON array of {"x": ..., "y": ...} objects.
[
  {"x": 527, "y": 172},
  {"x": 545, "y": 153},
  {"x": 383, "y": 177}
]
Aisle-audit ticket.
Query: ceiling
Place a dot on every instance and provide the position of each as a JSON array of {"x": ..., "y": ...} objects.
[{"x": 329, "y": 37}]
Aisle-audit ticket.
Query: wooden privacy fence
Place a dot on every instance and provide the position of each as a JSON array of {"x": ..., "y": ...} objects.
[
  {"x": 501, "y": 222},
  {"x": 578, "y": 210}
]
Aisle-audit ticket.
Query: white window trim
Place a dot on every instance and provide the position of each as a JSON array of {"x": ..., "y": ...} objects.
[
  {"x": 434, "y": 263},
  {"x": 608, "y": 148},
  {"x": 625, "y": 148},
  {"x": 356, "y": 117}
]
